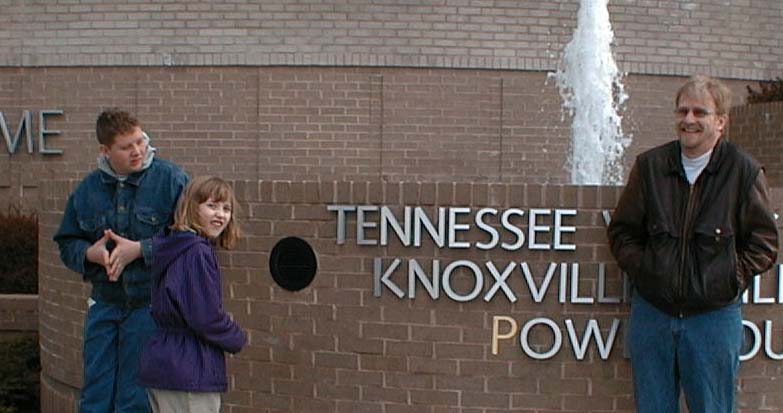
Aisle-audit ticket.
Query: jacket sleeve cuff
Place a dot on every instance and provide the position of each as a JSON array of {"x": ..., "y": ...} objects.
[
  {"x": 81, "y": 263},
  {"x": 146, "y": 250}
]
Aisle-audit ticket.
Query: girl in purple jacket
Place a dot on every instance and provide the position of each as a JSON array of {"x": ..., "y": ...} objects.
[{"x": 183, "y": 364}]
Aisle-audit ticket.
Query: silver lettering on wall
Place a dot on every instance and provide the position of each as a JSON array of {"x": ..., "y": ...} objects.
[
  {"x": 26, "y": 126},
  {"x": 560, "y": 280},
  {"x": 547, "y": 229}
]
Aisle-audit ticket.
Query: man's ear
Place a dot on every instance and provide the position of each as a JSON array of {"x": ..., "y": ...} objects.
[
  {"x": 723, "y": 123},
  {"x": 103, "y": 149}
]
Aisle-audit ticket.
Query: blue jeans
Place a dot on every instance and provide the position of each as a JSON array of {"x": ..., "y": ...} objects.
[
  {"x": 699, "y": 353},
  {"x": 113, "y": 340}
]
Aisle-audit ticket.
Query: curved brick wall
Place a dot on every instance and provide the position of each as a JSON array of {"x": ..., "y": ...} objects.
[
  {"x": 18, "y": 312},
  {"x": 759, "y": 129},
  {"x": 368, "y": 103},
  {"x": 737, "y": 39},
  {"x": 288, "y": 350},
  {"x": 298, "y": 123},
  {"x": 339, "y": 345}
]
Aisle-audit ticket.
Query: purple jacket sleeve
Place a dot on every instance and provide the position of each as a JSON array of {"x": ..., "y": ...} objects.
[{"x": 201, "y": 301}]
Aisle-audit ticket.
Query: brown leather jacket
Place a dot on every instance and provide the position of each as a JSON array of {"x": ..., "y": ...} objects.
[{"x": 690, "y": 249}]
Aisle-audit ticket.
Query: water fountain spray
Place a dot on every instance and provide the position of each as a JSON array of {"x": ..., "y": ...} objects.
[{"x": 592, "y": 92}]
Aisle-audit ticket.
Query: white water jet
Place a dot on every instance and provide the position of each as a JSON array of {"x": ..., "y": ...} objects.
[{"x": 592, "y": 92}]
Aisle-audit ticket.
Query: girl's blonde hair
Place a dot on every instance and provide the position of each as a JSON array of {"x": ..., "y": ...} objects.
[{"x": 198, "y": 191}]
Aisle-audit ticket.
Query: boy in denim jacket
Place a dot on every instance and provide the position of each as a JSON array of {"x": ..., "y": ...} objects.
[{"x": 105, "y": 235}]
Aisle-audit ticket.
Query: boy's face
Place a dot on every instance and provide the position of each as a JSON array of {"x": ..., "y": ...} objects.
[{"x": 126, "y": 154}]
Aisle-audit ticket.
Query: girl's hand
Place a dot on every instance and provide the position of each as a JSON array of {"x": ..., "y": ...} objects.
[
  {"x": 123, "y": 253},
  {"x": 98, "y": 254}
]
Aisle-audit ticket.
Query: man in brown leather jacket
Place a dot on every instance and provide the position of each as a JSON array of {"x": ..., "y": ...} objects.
[{"x": 692, "y": 227}]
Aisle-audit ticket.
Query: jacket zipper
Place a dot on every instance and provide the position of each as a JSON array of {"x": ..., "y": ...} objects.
[{"x": 684, "y": 236}]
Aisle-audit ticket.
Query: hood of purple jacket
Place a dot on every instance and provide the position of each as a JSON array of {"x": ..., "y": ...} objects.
[{"x": 168, "y": 246}]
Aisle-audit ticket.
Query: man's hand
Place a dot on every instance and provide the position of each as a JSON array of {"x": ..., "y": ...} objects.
[
  {"x": 98, "y": 254},
  {"x": 123, "y": 253}
]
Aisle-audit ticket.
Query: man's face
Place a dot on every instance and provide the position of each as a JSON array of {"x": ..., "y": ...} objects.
[
  {"x": 696, "y": 123},
  {"x": 126, "y": 154}
]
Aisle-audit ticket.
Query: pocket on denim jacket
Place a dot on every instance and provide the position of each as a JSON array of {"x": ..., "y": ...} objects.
[
  {"x": 93, "y": 225},
  {"x": 150, "y": 221}
]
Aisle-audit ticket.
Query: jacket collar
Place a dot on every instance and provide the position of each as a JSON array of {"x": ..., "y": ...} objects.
[
  {"x": 675, "y": 158},
  {"x": 132, "y": 179}
]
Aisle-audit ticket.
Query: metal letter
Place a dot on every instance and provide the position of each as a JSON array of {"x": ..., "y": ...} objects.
[
  {"x": 754, "y": 349},
  {"x": 563, "y": 282},
  {"x": 496, "y": 326},
  {"x": 25, "y": 123},
  {"x": 454, "y": 227},
  {"x": 500, "y": 282},
  {"x": 757, "y": 298},
  {"x": 768, "y": 342},
  {"x": 420, "y": 218},
  {"x": 493, "y": 233},
  {"x": 42, "y": 132},
  {"x": 416, "y": 272},
  {"x": 557, "y": 335},
  {"x": 607, "y": 217},
  {"x": 379, "y": 279},
  {"x": 538, "y": 293},
  {"x": 559, "y": 229},
  {"x": 532, "y": 228},
  {"x": 504, "y": 219},
  {"x": 780, "y": 283},
  {"x": 602, "y": 298},
  {"x": 387, "y": 218},
  {"x": 341, "y": 224},
  {"x": 575, "y": 298},
  {"x": 361, "y": 225},
  {"x": 592, "y": 330},
  {"x": 477, "y": 275}
]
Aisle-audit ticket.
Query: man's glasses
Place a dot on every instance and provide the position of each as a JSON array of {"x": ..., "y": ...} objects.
[{"x": 698, "y": 112}]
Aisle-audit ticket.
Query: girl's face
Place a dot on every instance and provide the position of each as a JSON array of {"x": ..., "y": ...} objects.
[{"x": 214, "y": 216}]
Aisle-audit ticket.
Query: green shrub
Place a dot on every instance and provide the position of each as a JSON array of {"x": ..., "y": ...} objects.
[
  {"x": 20, "y": 368},
  {"x": 19, "y": 252},
  {"x": 770, "y": 91}
]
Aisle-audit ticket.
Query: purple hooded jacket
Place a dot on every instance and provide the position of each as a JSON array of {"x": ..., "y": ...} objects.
[{"x": 186, "y": 352}]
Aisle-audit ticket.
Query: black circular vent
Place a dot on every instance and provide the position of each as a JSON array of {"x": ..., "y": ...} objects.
[{"x": 292, "y": 263}]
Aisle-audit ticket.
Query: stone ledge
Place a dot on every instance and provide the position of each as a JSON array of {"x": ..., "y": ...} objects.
[{"x": 371, "y": 60}]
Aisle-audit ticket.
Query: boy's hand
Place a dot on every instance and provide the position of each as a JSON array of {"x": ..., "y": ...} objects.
[
  {"x": 97, "y": 252},
  {"x": 123, "y": 253}
]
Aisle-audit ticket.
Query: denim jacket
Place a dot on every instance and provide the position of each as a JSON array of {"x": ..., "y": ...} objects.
[{"x": 135, "y": 208}]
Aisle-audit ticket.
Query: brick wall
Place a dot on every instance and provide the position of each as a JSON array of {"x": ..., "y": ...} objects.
[
  {"x": 738, "y": 39},
  {"x": 394, "y": 136},
  {"x": 759, "y": 129},
  {"x": 283, "y": 123},
  {"x": 61, "y": 309},
  {"x": 18, "y": 312},
  {"x": 337, "y": 346}
]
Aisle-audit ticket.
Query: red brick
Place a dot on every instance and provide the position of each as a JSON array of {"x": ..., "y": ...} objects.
[{"x": 311, "y": 146}]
